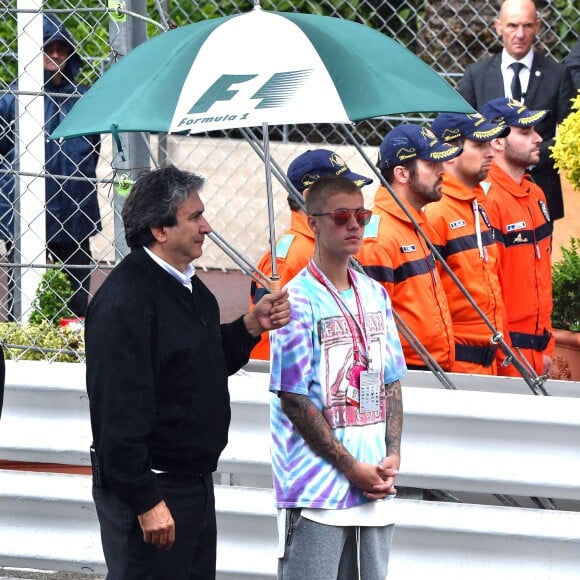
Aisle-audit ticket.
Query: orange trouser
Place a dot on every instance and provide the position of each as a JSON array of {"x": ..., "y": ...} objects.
[
  {"x": 534, "y": 357},
  {"x": 460, "y": 366}
]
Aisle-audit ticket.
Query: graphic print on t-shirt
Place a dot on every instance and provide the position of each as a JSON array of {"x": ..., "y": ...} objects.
[{"x": 336, "y": 361}]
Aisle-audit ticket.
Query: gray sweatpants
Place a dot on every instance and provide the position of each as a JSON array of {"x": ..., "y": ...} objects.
[{"x": 316, "y": 551}]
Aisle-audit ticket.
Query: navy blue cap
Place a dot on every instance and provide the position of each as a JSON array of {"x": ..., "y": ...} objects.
[
  {"x": 512, "y": 113},
  {"x": 474, "y": 126},
  {"x": 310, "y": 166},
  {"x": 407, "y": 142}
]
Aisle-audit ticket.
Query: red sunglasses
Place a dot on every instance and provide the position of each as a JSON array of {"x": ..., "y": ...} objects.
[{"x": 341, "y": 216}]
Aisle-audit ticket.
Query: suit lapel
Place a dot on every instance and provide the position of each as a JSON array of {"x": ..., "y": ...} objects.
[
  {"x": 495, "y": 80},
  {"x": 536, "y": 75}
]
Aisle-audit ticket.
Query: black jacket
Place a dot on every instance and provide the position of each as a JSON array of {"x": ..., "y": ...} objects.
[
  {"x": 550, "y": 88},
  {"x": 572, "y": 61},
  {"x": 158, "y": 362}
]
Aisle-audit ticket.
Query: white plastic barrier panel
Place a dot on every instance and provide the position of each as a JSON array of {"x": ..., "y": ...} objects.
[{"x": 48, "y": 522}]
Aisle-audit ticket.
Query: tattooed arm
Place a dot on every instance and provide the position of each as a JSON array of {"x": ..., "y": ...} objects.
[
  {"x": 310, "y": 423},
  {"x": 394, "y": 399}
]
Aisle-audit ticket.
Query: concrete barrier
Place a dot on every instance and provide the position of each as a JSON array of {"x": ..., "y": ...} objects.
[
  {"x": 472, "y": 442},
  {"x": 49, "y": 523}
]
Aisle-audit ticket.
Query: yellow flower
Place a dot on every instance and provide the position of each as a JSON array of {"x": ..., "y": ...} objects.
[{"x": 566, "y": 148}]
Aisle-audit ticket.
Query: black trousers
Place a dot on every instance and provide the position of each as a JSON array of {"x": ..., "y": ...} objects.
[
  {"x": 75, "y": 254},
  {"x": 193, "y": 556}
]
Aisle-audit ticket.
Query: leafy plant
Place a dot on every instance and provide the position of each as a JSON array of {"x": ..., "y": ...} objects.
[
  {"x": 567, "y": 24},
  {"x": 41, "y": 342},
  {"x": 566, "y": 288},
  {"x": 42, "y": 338},
  {"x": 566, "y": 148},
  {"x": 52, "y": 296}
]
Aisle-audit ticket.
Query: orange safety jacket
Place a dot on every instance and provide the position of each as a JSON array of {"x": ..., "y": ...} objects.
[
  {"x": 395, "y": 255},
  {"x": 519, "y": 215},
  {"x": 473, "y": 259},
  {"x": 293, "y": 251}
]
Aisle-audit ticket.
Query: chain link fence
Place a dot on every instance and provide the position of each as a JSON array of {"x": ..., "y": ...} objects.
[{"x": 60, "y": 230}]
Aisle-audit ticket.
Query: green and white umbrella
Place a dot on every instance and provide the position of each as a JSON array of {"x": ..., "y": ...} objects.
[{"x": 259, "y": 68}]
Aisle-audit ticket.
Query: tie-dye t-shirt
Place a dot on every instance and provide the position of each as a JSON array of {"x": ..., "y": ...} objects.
[{"x": 313, "y": 356}]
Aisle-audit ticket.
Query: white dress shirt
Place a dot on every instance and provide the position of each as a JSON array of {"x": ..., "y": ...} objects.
[
  {"x": 183, "y": 278},
  {"x": 508, "y": 73}
]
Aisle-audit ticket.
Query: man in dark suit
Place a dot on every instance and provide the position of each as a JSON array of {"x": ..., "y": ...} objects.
[
  {"x": 524, "y": 74},
  {"x": 572, "y": 61}
]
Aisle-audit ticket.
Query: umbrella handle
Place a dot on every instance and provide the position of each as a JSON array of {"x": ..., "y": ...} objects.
[{"x": 275, "y": 284}]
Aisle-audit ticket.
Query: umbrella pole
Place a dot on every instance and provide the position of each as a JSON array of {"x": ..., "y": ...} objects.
[
  {"x": 275, "y": 279},
  {"x": 276, "y": 170}
]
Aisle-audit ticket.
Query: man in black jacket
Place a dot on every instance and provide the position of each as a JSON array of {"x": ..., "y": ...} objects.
[
  {"x": 158, "y": 362},
  {"x": 572, "y": 61},
  {"x": 540, "y": 82}
]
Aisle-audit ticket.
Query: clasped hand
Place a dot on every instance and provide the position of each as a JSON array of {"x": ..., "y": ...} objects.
[{"x": 375, "y": 481}]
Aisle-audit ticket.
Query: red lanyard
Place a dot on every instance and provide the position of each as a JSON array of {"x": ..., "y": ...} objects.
[{"x": 358, "y": 332}]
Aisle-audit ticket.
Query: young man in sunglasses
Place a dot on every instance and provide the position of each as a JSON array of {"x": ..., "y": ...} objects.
[
  {"x": 337, "y": 413},
  {"x": 295, "y": 246},
  {"x": 396, "y": 255}
]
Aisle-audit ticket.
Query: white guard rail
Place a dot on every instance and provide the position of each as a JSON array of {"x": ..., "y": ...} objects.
[
  {"x": 466, "y": 441},
  {"x": 48, "y": 522}
]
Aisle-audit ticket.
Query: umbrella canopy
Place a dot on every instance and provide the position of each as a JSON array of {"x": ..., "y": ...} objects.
[{"x": 255, "y": 68}]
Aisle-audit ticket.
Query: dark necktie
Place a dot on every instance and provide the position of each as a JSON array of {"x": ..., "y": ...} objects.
[{"x": 516, "y": 86}]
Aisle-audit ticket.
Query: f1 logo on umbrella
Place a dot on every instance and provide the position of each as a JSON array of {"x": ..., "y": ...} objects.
[{"x": 277, "y": 91}]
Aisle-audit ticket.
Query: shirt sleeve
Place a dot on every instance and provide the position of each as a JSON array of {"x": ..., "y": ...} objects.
[{"x": 292, "y": 350}]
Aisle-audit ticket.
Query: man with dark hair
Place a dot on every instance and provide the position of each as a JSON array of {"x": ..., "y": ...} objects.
[
  {"x": 295, "y": 246},
  {"x": 337, "y": 414},
  {"x": 524, "y": 74},
  {"x": 465, "y": 240},
  {"x": 517, "y": 209},
  {"x": 157, "y": 367},
  {"x": 72, "y": 208},
  {"x": 393, "y": 253}
]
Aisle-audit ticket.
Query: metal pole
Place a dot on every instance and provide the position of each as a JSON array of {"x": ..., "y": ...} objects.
[
  {"x": 30, "y": 215},
  {"x": 275, "y": 283},
  {"x": 133, "y": 155}
]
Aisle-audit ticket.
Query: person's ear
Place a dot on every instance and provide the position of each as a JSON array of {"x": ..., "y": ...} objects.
[
  {"x": 159, "y": 234},
  {"x": 401, "y": 173},
  {"x": 497, "y": 145},
  {"x": 313, "y": 224}
]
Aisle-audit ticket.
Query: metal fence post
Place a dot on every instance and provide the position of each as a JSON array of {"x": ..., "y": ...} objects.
[
  {"x": 31, "y": 218},
  {"x": 134, "y": 157}
]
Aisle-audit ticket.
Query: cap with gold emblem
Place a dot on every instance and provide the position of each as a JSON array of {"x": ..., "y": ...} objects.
[
  {"x": 407, "y": 142},
  {"x": 474, "y": 126},
  {"x": 512, "y": 113},
  {"x": 316, "y": 163}
]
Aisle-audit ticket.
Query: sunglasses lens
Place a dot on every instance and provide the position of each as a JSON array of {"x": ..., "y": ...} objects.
[
  {"x": 340, "y": 217},
  {"x": 363, "y": 216}
]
